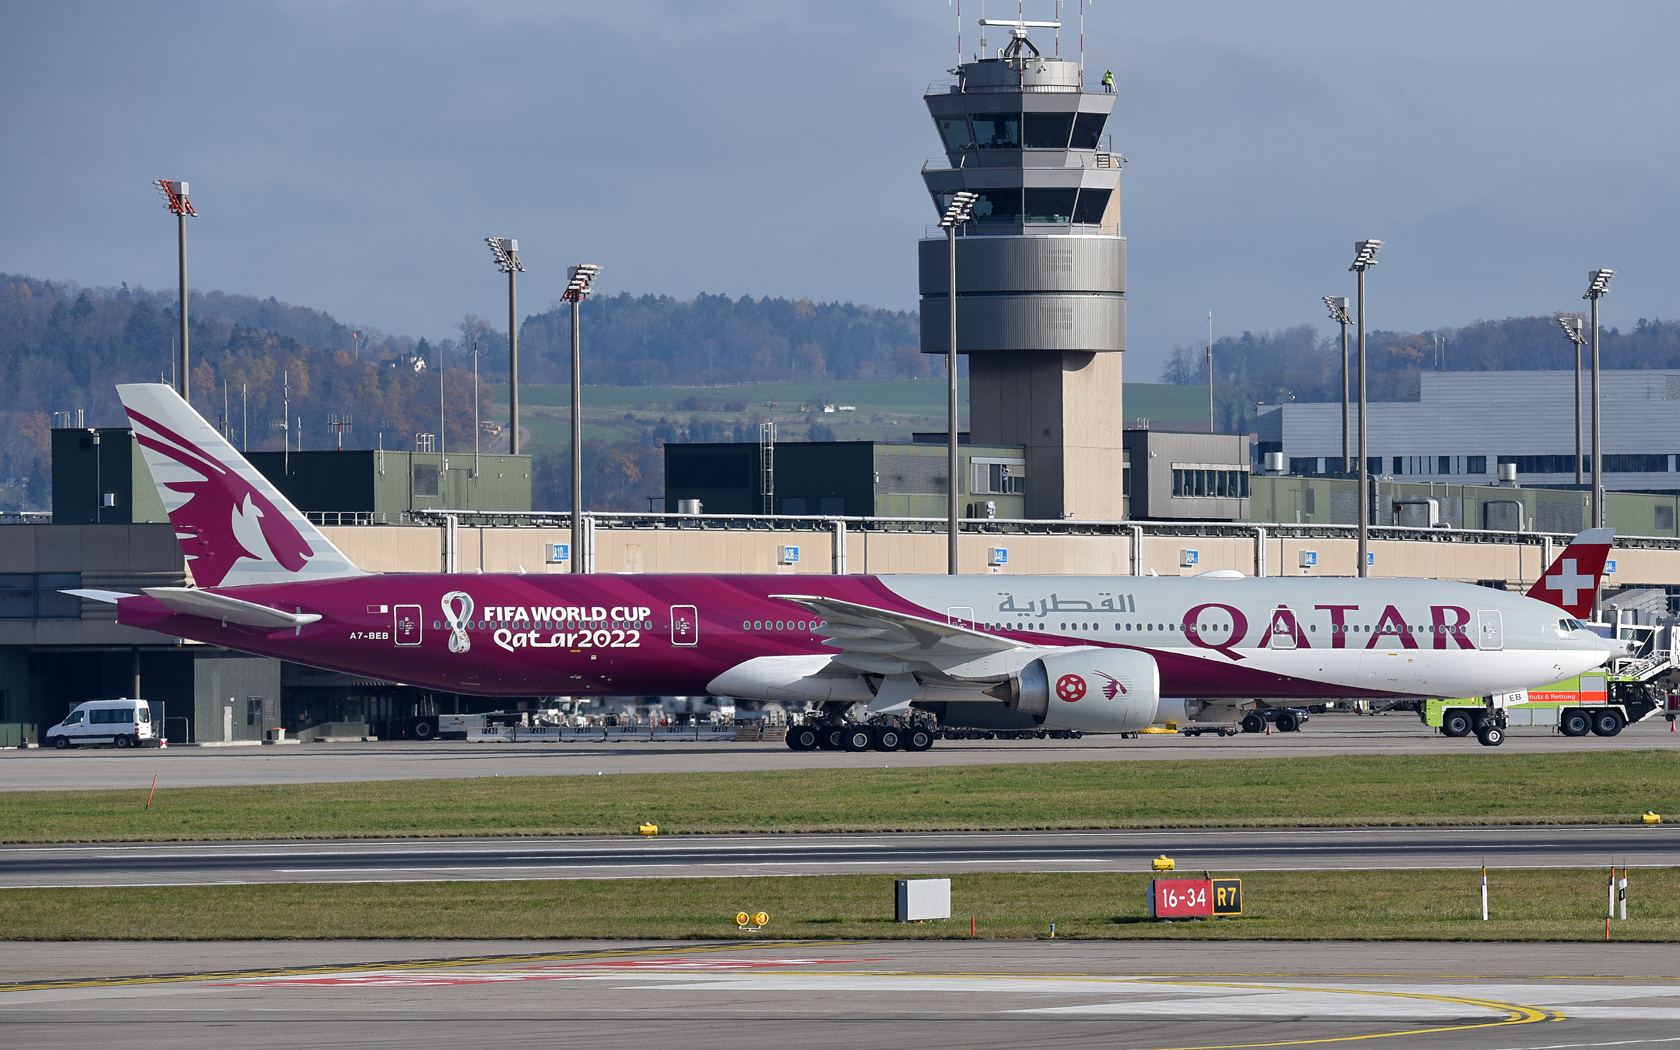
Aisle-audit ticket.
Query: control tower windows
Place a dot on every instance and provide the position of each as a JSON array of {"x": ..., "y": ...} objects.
[
  {"x": 956, "y": 133},
  {"x": 1092, "y": 204},
  {"x": 1003, "y": 205},
  {"x": 1050, "y": 205},
  {"x": 1048, "y": 130},
  {"x": 997, "y": 130},
  {"x": 1087, "y": 130}
]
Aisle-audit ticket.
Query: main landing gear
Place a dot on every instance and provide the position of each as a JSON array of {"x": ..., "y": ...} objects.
[{"x": 890, "y": 735}]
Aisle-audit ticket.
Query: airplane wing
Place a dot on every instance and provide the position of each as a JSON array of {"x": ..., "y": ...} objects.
[{"x": 884, "y": 642}]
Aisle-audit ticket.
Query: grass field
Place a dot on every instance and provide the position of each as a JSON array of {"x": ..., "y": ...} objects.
[
  {"x": 1483, "y": 788},
  {"x": 1545, "y": 905}
]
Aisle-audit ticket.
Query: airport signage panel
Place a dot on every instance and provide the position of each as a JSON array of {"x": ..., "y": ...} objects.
[{"x": 1194, "y": 898}]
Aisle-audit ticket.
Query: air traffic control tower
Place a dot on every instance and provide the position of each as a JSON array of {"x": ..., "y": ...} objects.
[{"x": 1041, "y": 271}]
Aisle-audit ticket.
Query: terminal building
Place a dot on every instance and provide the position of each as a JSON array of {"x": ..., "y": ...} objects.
[{"x": 1465, "y": 424}]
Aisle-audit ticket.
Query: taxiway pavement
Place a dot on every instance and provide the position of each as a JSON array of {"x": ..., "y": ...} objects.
[
  {"x": 860, "y": 995},
  {"x": 683, "y": 856},
  {"x": 1398, "y": 734}
]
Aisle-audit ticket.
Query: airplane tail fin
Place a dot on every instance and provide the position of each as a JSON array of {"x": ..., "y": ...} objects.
[
  {"x": 233, "y": 525},
  {"x": 1573, "y": 579}
]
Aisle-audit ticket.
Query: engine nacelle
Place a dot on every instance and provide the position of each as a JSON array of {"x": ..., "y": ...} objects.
[{"x": 1091, "y": 690}]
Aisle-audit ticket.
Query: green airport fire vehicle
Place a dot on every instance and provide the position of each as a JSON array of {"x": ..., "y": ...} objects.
[{"x": 1600, "y": 702}]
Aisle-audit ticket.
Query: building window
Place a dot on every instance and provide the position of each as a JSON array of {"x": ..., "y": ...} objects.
[
  {"x": 1050, "y": 205},
  {"x": 253, "y": 710},
  {"x": 38, "y": 596},
  {"x": 997, "y": 130},
  {"x": 1209, "y": 482},
  {"x": 1092, "y": 204},
  {"x": 1048, "y": 130},
  {"x": 998, "y": 477},
  {"x": 955, "y": 132}
]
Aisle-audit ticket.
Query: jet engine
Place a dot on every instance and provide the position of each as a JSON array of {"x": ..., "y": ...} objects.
[{"x": 1092, "y": 690}]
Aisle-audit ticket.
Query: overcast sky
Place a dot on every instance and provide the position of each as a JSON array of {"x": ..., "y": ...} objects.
[{"x": 353, "y": 156}]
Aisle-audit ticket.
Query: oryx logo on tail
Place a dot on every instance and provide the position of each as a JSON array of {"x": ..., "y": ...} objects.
[{"x": 232, "y": 525}]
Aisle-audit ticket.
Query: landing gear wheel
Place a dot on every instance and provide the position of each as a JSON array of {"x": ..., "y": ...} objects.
[
  {"x": 803, "y": 738},
  {"x": 423, "y": 730},
  {"x": 1490, "y": 736},
  {"x": 1286, "y": 722},
  {"x": 124, "y": 742},
  {"x": 1254, "y": 722},
  {"x": 918, "y": 739},
  {"x": 62, "y": 743},
  {"x": 887, "y": 738},
  {"x": 856, "y": 738},
  {"x": 1455, "y": 722},
  {"x": 828, "y": 737},
  {"x": 1574, "y": 723},
  {"x": 1606, "y": 723}
]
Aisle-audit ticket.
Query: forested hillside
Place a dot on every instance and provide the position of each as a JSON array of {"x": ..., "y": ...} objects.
[
  {"x": 1304, "y": 363},
  {"x": 63, "y": 346}
]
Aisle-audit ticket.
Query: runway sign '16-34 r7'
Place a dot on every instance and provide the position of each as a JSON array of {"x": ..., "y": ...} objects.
[{"x": 1194, "y": 898}]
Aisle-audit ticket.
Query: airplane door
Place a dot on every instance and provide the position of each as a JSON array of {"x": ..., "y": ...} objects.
[
  {"x": 1282, "y": 631},
  {"x": 685, "y": 625},
  {"x": 960, "y": 616},
  {"x": 1490, "y": 629},
  {"x": 406, "y": 624}
]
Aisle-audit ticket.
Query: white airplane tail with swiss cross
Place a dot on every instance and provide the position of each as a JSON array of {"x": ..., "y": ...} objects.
[{"x": 1573, "y": 579}]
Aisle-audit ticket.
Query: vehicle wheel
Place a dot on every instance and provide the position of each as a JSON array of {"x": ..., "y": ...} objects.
[
  {"x": 124, "y": 742},
  {"x": 1254, "y": 722},
  {"x": 918, "y": 739},
  {"x": 1491, "y": 736},
  {"x": 856, "y": 738},
  {"x": 62, "y": 742},
  {"x": 803, "y": 738},
  {"x": 1606, "y": 723},
  {"x": 1286, "y": 722},
  {"x": 1456, "y": 722},
  {"x": 423, "y": 730},
  {"x": 828, "y": 737},
  {"x": 886, "y": 738},
  {"x": 1574, "y": 723}
]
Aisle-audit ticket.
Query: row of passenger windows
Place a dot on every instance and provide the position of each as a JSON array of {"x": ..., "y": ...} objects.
[
  {"x": 780, "y": 625},
  {"x": 1213, "y": 628},
  {"x": 552, "y": 625},
  {"x": 1039, "y": 205},
  {"x": 1018, "y": 130}
]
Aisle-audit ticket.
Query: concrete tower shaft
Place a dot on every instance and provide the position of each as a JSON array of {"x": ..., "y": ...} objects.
[{"x": 1041, "y": 273}]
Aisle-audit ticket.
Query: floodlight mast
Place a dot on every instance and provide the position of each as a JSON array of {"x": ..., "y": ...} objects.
[
  {"x": 578, "y": 280},
  {"x": 1572, "y": 328},
  {"x": 1338, "y": 305},
  {"x": 1598, "y": 286},
  {"x": 506, "y": 251},
  {"x": 175, "y": 200},
  {"x": 1364, "y": 257},
  {"x": 957, "y": 212}
]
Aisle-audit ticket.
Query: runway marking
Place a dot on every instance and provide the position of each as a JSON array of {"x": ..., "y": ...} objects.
[{"x": 469, "y": 960}]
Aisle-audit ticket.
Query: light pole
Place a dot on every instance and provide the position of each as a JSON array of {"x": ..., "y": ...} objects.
[
  {"x": 957, "y": 212},
  {"x": 1572, "y": 328},
  {"x": 1338, "y": 305},
  {"x": 175, "y": 200},
  {"x": 1210, "y": 371},
  {"x": 1598, "y": 285},
  {"x": 1364, "y": 257},
  {"x": 506, "y": 251},
  {"x": 578, "y": 280}
]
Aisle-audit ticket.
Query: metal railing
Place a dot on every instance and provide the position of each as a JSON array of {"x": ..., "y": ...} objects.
[
  {"x": 653, "y": 520},
  {"x": 1013, "y": 229}
]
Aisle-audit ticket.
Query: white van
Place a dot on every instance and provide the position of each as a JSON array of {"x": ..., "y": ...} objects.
[{"x": 125, "y": 723}]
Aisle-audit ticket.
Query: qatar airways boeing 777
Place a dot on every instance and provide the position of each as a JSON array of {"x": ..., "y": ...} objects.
[{"x": 1088, "y": 653}]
